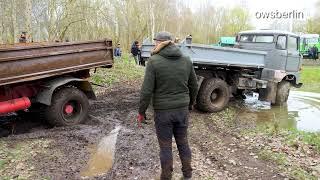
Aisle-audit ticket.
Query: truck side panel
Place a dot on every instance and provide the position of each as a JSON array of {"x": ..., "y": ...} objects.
[
  {"x": 218, "y": 56},
  {"x": 27, "y": 63}
]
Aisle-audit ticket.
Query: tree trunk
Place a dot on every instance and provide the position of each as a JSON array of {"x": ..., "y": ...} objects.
[
  {"x": 14, "y": 29},
  {"x": 28, "y": 16}
]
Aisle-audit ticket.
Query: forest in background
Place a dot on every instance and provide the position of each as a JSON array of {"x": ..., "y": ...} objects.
[{"x": 122, "y": 20}]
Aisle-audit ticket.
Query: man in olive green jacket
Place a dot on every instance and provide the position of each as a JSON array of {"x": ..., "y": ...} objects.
[{"x": 172, "y": 83}]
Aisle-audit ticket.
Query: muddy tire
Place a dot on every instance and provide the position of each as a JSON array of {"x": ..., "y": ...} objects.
[
  {"x": 69, "y": 107},
  {"x": 213, "y": 95},
  {"x": 283, "y": 92}
]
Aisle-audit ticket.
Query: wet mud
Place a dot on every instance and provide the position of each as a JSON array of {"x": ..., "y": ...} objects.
[{"x": 99, "y": 149}]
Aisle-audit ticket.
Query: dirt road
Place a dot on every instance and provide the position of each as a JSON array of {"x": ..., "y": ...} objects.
[{"x": 220, "y": 150}]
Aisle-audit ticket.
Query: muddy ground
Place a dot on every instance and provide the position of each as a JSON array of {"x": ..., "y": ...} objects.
[{"x": 220, "y": 149}]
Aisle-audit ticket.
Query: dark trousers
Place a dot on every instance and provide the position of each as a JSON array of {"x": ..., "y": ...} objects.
[{"x": 169, "y": 124}]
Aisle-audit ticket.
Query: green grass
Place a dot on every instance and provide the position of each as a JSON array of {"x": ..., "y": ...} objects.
[
  {"x": 2, "y": 164},
  {"x": 310, "y": 77},
  {"x": 291, "y": 136},
  {"x": 310, "y": 138},
  {"x": 281, "y": 160},
  {"x": 123, "y": 70},
  {"x": 278, "y": 158}
]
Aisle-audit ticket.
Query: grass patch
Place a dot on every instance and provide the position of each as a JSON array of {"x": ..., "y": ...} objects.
[
  {"x": 278, "y": 158},
  {"x": 2, "y": 164},
  {"x": 310, "y": 77},
  {"x": 308, "y": 138},
  {"x": 225, "y": 118},
  {"x": 123, "y": 70},
  {"x": 301, "y": 174},
  {"x": 291, "y": 136},
  {"x": 281, "y": 160}
]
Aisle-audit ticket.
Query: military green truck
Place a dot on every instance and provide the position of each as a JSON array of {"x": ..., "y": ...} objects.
[{"x": 264, "y": 61}]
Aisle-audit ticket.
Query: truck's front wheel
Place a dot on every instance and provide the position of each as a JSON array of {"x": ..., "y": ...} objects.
[
  {"x": 69, "y": 107},
  {"x": 213, "y": 95},
  {"x": 283, "y": 92}
]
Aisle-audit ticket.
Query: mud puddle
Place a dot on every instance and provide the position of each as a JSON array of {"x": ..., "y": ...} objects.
[
  {"x": 302, "y": 112},
  {"x": 102, "y": 156}
]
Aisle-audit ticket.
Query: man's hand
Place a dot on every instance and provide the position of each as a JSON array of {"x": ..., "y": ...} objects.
[{"x": 141, "y": 119}]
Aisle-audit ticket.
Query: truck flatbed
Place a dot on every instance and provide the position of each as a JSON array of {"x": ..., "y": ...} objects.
[
  {"x": 28, "y": 62},
  {"x": 217, "y": 56}
]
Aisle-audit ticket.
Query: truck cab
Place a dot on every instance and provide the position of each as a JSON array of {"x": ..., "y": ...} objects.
[
  {"x": 282, "y": 63},
  {"x": 283, "y": 59}
]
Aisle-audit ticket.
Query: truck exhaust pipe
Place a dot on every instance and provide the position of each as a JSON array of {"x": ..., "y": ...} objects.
[{"x": 14, "y": 105}]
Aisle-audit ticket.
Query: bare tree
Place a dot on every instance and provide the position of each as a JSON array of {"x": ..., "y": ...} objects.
[{"x": 122, "y": 20}]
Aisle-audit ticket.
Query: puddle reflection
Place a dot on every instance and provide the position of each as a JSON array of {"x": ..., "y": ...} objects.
[
  {"x": 102, "y": 157},
  {"x": 302, "y": 112}
]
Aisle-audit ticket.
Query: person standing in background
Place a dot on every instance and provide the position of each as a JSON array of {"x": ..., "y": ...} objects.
[
  {"x": 117, "y": 51},
  {"x": 314, "y": 52},
  {"x": 23, "y": 37},
  {"x": 135, "y": 51}
]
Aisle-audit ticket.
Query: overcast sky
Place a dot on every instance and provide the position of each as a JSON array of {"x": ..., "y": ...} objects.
[{"x": 254, "y": 6}]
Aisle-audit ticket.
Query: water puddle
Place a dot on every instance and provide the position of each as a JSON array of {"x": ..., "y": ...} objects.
[
  {"x": 302, "y": 112},
  {"x": 102, "y": 157}
]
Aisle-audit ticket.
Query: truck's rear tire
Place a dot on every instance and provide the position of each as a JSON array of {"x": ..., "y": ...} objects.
[
  {"x": 213, "y": 95},
  {"x": 283, "y": 92},
  {"x": 69, "y": 107}
]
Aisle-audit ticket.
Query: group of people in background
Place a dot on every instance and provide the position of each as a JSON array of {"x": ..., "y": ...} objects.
[{"x": 135, "y": 52}]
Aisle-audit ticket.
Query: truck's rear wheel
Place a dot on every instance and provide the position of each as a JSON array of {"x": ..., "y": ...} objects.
[
  {"x": 69, "y": 107},
  {"x": 283, "y": 92},
  {"x": 213, "y": 95}
]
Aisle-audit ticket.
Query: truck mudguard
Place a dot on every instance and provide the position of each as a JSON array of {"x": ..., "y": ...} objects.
[{"x": 45, "y": 96}]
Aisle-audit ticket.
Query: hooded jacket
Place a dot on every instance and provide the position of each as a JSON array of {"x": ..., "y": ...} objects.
[
  {"x": 169, "y": 79},
  {"x": 135, "y": 49}
]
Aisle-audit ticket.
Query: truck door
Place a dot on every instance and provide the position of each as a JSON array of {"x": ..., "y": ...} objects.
[
  {"x": 279, "y": 59},
  {"x": 293, "y": 58}
]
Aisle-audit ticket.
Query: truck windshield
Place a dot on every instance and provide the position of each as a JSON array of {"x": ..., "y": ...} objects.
[
  {"x": 257, "y": 38},
  {"x": 312, "y": 40}
]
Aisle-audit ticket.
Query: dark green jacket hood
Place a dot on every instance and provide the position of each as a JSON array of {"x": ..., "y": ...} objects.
[
  {"x": 167, "y": 49},
  {"x": 171, "y": 52}
]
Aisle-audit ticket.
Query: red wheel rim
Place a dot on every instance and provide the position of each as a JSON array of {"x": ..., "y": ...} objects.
[{"x": 68, "y": 109}]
